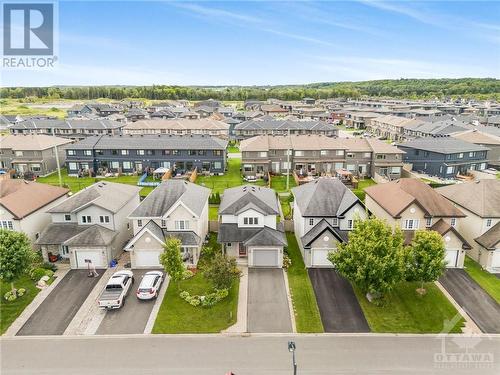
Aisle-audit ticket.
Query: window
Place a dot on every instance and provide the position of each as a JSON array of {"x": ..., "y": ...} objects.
[
  {"x": 150, "y": 152},
  {"x": 191, "y": 152},
  {"x": 6, "y": 224},
  {"x": 72, "y": 166},
  {"x": 217, "y": 165},
  {"x": 245, "y": 220},
  {"x": 140, "y": 152},
  {"x": 229, "y": 244},
  {"x": 339, "y": 152},
  {"x": 472, "y": 154},
  {"x": 335, "y": 222},
  {"x": 114, "y": 152},
  {"x": 164, "y": 223},
  {"x": 166, "y": 152},
  {"x": 449, "y": 170},
  {"x": 182, "y": 224},
  {"x": 104, "y": 219},
  {"x": 86, "y": 219},
  {"x": 311, "y": 222},
  {"x": 349, "y": 224},
  {"x": 114, "y": 165},
  {"x": 395, "y": 169},
  {"x": 124, "y": 152},
  {"x": 367, "y": 155},
  {"x": 139, "y": 223},
  {"x": 217, "y": 153},
  {"x": 461, "y": 155},
  {"x": 18, "y": 153},
  {"x": 323, "y": 152},
  {"x": 380, "y": 157},
  {"x": 299, "y": 153},
  {"x": 67, "y": 217},
  {"x": 175, "y": 152},
  {"x": 36, "y": 167},
  {"x": 488, "y": 223},
  {"x": 99, "y": 152},
  {"x": 71, "y": 152},
  {"x": 350, "y": 155},
  {"x": 411, "y": 224},
  {"x": 202, "y": 152},
  {"x": 127, "y": 165},
  {"x": 247, "y": 167},
  {"x": 87, "y": 152},
  {"x": 263, "y": 154},
  {"x": 453, "y": 221},
  {"x": 287, "y": 165},
  {"x": 428, "y": 222}
]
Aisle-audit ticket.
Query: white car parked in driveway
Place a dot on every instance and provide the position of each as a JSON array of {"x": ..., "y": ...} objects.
[{"x": 150, "y": 285}]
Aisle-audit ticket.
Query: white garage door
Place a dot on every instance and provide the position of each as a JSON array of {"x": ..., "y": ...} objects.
[
  {"x": 451, "y": 258},
  {"x": 95, "y": 257},
  {"x": 319, "y": 258},
  {"x": 147, "y": 259},
  {"x": 265, "y": 258},
  {"x": 495, "y": 260}
]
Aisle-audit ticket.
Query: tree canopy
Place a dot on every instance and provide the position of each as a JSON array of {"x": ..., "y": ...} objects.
[
  {"x": 171, "y": 259},
  {"x": 16, "y": 255}
]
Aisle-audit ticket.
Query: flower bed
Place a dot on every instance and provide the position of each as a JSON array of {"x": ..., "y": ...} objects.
[{"x": 207, "y": 300}]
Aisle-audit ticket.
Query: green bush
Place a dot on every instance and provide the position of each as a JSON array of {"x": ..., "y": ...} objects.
[
  {"x": 287, "y": 262},
  {"x": 208, "y": 300},
  {"x": 49, "y": 266},
  {"x": 10, "y": 296},
  {"x": 21, "y": 292},
  {"x": 37, "y": 273}
]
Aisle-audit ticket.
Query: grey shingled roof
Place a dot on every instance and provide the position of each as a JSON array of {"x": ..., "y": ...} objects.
[
  {"x": 267, "y": 124},
  {"x": 234, "y": 199},
  {"x": 151, "y": 142},
  {"x": 58, "y": 233},
  {"x": 164, "y": 196},
  {"x": 68, "y": 124},
  {"x": 320, "y": 228},
  {"x": 187, "y": 238},
  {"x": 251, "y": 236},
  {"x": 490, "y": 239},
  {"x": 108, "y": 195},
  {"x": 324, "y": 197},
  {"x": 94, "y": 235},
  {"x": 443, "y": 145}
]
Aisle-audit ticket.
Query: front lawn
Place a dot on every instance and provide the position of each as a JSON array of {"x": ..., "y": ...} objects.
[
  {"x": 362, "y": 185},
  {"x": 178, "y": 316},
  {"x": 404, "y": 311},
  {"x": 278, "y": 183},
  {"x": 9, "y": 311},
  {"x": 231, "y": 178},
  {"x": 489, "y": 282},
  {"x": 307, "y": 316}
]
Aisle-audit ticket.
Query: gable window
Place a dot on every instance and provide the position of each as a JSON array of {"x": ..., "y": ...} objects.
[
  {"x": 86, "y": 219},
  {"x": 411, "y": 224},
  {"x": 164, "y": 223},
  {"x": 488, "y": 223},
  {"x": 453, "y": 221},
  {"x": 67, "y": 217},
  {"x": 350, "y": 224},
  {"x": 428, "y": 222},
  {"x": 104, "y": 219},
  {"x": 139, "y": 223},
  {"x": 335, "y": 222},
  {"x": 311, "y": 222},
  {"x": 251, "y": 221}
]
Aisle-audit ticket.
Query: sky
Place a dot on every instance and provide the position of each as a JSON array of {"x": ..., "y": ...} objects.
[{"x": 268, "y": 43}]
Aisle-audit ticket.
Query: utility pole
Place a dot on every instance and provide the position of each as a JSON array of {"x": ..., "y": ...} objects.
[
  {"x": 288, "y": 163},
  {"x": 58, "y": 166},
  {"x": 291, "y": 349}
]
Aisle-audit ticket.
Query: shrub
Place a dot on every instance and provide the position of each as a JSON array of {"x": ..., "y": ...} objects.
[
  {"x": 49, "y": 266},
  {"x": 208, "y": 251},
  {"x": 287, "y": 262},
  {"x": 21, "y": 292},
  {"x": 37, "y": 273},
  {"x": 187, "y": 274},
  {"x": 208, "y": 300},
  {"x": 10, "y": 296},
  {"x": 222, "y": 271}
]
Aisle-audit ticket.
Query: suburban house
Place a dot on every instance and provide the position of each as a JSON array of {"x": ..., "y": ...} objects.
[
  {"x": 270, "y": 126},
  {"x": 273, "y": 110},
  {"x": 359, "y": 120},
  {"x": 480, "y": 201},
  {"x": 91, "y": 225},
  {"x": 324, "y": 212},
  {"x": 139, "y": 153},
  {"x": 490, "y": 141},
  {"x": 390, "y": 127},
  {"x": 411, "y": 204},
  {"x": 320, "y": 155},
  {"x": 23, "y": 205},
  {"x": 175, "y": 208},
  {"x": 444, "y": 157},
  {"x": 73, "y": 129},
  {"x": 248, "y": 227},
  {"x": 179, "y": 127},
  {"x": 32, "y": 153}
]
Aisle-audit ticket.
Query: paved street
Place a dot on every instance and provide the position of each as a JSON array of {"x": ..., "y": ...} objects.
[
  {"x": 337, "y": 303},
  {"x": 216, "y": 354},
  {"x": 58, "y": 309},
  {"x": 482, "y": 309},
  {"x": 267, "y": 301},
  {"x": 132, "y": 317}
]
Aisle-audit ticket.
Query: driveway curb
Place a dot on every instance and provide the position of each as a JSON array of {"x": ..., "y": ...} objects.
[{"x": 290, "y": 303}]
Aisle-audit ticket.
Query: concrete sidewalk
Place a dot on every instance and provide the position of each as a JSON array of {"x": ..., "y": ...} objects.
[{"x": 241, "y": 321}]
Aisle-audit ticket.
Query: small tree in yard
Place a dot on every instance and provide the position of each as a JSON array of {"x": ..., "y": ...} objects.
[
  {"x": 425, "y": 258},
  {"x": 222, "y": 271},
  {"x": 373, "y": 259},
  {"x": 171, "y": 259},
  {"x": 16, "y": 255}
]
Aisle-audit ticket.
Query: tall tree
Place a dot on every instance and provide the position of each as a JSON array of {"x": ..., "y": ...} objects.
[
  {"x": 425, "y": 258},
  {"x": 171, "y": 259},
  {"x": 16, "y": 255},
  {"x": 222, "y": 271},
  {"x": 373, "y": 258}
]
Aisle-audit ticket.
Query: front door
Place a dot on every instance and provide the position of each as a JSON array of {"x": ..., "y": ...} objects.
[
  {"x": 242, "y": 252},
  {"x": 276, "y": 167}
]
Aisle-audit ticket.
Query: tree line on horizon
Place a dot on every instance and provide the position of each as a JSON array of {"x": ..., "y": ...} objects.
[{"x": 477, "y": 88}]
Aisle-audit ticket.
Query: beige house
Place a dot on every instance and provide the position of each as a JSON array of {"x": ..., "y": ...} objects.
[
  {"x": 179, "y": 127},
  {"x": 23, "y": 205},
  {"x": 411, "y": 204},
  {"x": 480, "y": 201}
]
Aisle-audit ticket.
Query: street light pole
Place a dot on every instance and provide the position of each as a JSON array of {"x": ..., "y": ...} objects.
[{"x": 291, "y": 348}]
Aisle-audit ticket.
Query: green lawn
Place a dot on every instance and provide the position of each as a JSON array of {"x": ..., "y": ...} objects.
[
  {"x": 286, "y": 208},
  {"x": 306, "y": 310},
  {"x": 178, "y": 316},
  {"x": 278, "y": 183},
  {"x": 78, "y": 183},
  {"x": 212, "y": 212},
  {"x": 362, "y": 185},
  {"x": 230, "y": 179},
  {"x": 9, "y": 311},
  {"x": 404, "y": 311},
  {"x": 233, "y": 149},
  {"x": 490, "y": 283}
]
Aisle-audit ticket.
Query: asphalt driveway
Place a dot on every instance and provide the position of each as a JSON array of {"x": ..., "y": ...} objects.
[
  {"x": 132, "y": 316},
  {"x": 55, "y": 313},
  {"x": 482, "y": 309},
  {"x": 338, "y": 306},
  {"x": 268, "y": 309}
]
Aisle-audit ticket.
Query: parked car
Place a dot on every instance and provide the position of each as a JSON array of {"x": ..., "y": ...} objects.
[
  {"x": 150, "y": 285},
  {"x": 113, "y": 295}
]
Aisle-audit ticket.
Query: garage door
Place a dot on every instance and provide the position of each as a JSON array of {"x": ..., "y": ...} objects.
[
  {"x": 265, "y": 258},
  {"x": 495, "y": 260},
  {"x": 94, "y": 256},
  {"x": 147, "y": 259},
  {"x": 451, "y": 258},
  {"x": 319, "y": 258}
]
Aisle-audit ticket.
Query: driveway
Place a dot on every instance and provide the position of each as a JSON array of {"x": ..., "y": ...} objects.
[
  {"x": 268, "y": 309},
  {"x": 131, "y": 317},
  {"x": 482, "y": 309},
  {"x": 56, "y": 312},
  {"x": 338, "y": 306}
]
